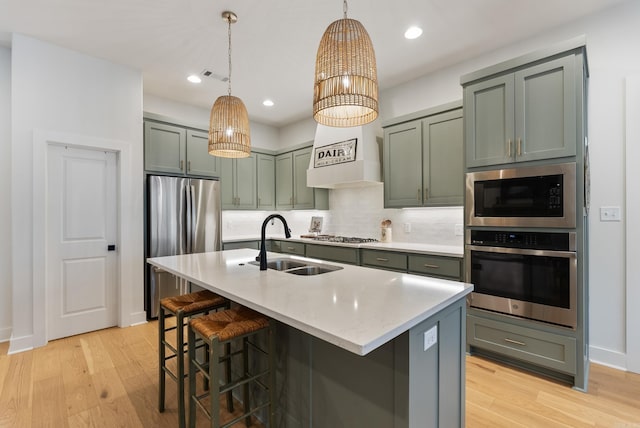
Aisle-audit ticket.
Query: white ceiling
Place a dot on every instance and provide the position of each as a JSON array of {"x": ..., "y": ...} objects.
[{"x": 275, "y": 41}]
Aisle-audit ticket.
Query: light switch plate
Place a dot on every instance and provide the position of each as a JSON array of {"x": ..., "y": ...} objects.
[
  {"x": 609, "y": 213},
  {"x": 430, "y": 337}
]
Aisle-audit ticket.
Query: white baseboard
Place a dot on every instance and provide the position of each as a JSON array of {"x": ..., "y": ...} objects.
[
  {"x": 20, "y": 344},
  {"x": 606, "y": 357},
  {"x": 5, "y": 334},
  {"x": 138, "y": 318}
]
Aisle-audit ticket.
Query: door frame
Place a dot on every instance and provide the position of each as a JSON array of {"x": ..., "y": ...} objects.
[
  {"x": 632, "y": 175},
  {"x": 127, "y": 234}
]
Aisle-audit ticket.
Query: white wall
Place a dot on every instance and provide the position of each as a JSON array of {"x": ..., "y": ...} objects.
[
  {"x": 61, "y": 91},
  {"x": 5, "y": 194},
  {"x": 262, "y": 136}
]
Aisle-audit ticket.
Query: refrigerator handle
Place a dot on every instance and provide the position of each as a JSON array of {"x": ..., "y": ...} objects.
[
  {"x": 188, "y": 214},
  {"x": 194, "y": 214}
]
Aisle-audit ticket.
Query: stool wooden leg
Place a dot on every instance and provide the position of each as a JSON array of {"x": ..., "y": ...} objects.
[
  {"x": 161, "y": 354},
  {"x": 214, "y": 383},
  {"x": 192, "y": 377},
  {"x": 272, "y": 374},
  {"x": 245, "y": 388},
  {"x": 180, "y": 364},
  {"x": 227, "y": 370}
]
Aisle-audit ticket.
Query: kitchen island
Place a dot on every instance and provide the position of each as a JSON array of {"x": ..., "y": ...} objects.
[{"x": 357, "y": 347}]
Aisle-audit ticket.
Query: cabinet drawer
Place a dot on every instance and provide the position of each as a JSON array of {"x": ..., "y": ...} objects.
[
  {"x": 241, "y": 244},
  {"x": 333, "y": 253},
  {"x": 448, "y": 267},
  {"x": 384, "y": 259},
  {"x": 537, "y": 347},
  {"x": 292, "y": 247}
]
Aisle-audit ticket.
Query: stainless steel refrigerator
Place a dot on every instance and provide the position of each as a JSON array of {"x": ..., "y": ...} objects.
[{"x": 183, "y": 217}]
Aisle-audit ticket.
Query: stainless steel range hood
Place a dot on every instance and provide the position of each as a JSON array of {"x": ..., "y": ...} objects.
[{"x": 344, "y": 157}]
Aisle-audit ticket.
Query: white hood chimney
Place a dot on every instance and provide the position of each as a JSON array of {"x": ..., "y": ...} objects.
[{"x": 344, "y": 157}]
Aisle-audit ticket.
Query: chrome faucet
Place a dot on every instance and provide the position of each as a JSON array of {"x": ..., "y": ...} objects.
[{"x": 262, "y": 257}]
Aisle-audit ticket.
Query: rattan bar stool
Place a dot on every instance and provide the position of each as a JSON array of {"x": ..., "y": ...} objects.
[
  {"x": 182, "y": 308},
  {"x": 240, "y": 325}
]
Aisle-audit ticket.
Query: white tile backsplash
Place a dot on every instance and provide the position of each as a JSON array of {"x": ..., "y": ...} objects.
[{"x": 355, "y": 212}]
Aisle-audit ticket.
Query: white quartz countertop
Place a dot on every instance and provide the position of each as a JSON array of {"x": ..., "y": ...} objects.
[
  {"x": 355, "y": 308},
  {"x": 409, "y": 247}
]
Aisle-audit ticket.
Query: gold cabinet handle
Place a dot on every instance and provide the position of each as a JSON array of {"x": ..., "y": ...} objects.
[
  {"x": 259, "y": 201},
  {"x": 418, "y": 195},
  {"x": 188, "y": 165},
  {"x": 290, "y": 248},
  {"x": 427, "y": 265},
  {"x": 181, "y": 165},
  {"x": 426, "y": 193},
  {"x": 515, "y": 342},
  {"x": 519, "y": 147},
  {"x": 509, "y": 148},
  {"x": 380, "y": 259}
]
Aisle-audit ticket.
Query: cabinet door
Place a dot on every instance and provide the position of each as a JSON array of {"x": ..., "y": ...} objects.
[
  {"x": 164, "y": 148},
  {"x": 442, "y": 169},
  {"x": 227, "y": 194},
  {"x": 266, "y": 182},
  {"x": 402, "y": 157},
  {"x": 199, "y": 161},
  {"x": 245, "y": 183},
  {"x": 545, "y": 110},
  {"x": 302, "y": 195},
  {"x": 284, "y": 181},
  {"x": 489, "y": 121}
]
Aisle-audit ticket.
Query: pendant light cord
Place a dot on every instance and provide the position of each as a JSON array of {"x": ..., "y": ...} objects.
[
  {"x": 229, "y": 55},
  {"x": 344, "y": 8}
]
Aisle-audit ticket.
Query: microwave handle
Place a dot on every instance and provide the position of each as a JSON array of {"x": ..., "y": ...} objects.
[{"x": 522, "y": 251}]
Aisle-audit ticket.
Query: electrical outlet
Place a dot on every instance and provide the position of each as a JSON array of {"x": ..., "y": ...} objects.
[
  {"x": 430, "y": 337},
  {"x": 609, "y": 213},
  {"x": 458, "y": 230},
  {"x": 407, "y": 228}
]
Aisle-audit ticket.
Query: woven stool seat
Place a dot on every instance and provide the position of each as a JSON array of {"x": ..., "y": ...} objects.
[
  {"x": 192, "y": 302},
  {"x": 225, "y": 325},
  {"x": 243, "y": 327}
]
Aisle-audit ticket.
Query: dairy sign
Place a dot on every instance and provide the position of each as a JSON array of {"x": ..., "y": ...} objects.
[{"x": 332, "y": 154}]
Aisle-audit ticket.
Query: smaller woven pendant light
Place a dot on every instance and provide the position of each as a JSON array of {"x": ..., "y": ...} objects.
[
  {"x": 229, "y": 135},
  {"x": 345, "y": 92}
]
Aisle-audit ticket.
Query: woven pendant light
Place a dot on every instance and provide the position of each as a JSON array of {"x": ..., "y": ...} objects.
[
  {"x": 229, "y": 135},
  {"x": 345, "y": 92}
]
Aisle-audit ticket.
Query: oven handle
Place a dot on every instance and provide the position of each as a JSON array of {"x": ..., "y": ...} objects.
[{"x": 523, "y": 251}]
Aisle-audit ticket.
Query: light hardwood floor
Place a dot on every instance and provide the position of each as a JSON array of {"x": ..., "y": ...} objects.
[{"x": 109, "y": 379}]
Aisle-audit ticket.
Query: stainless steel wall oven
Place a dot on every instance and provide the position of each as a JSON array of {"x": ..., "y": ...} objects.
[
  {"x": 539, "y": 196},
  {"x": 526, "y": 274}
]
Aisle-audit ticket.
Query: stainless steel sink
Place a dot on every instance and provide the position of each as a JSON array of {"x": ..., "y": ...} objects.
[
  {"x": 313, "y": 270},
  {"x": 297, "y": 267}
]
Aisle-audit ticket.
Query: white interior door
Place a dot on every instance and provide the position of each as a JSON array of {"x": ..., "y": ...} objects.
[{"x": 81, "y": 224}]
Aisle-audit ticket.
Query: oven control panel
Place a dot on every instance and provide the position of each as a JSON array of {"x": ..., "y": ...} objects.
[{"x": 531, "y": 240}]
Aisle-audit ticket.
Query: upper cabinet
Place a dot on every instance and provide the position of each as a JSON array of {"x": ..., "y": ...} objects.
[
  {"x": 423, "y": 160},
  {"x": 525, "y": 115},
  {"x": 291, "y": 183},
  {"x": 178, "y": 150},
  {"x": 266, "y": 176},
  {"x": 238, "y": 183}
]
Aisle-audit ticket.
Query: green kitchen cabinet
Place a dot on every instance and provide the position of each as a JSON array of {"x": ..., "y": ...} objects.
[
  {"x": 266, "y": 183},
  {"x": 423, "y": 164},
  {"x": 238, "y": 183},
  {"x": 199, "y": 161},
  {"x": 178, "y": 150},
  {"x": 526, "y": 115},
  {"x": 333, "y": 253},
  {"x": 291, "y": 183},
  {"x": 435, "y": 266},
  {"x": 164, "y": 148}
]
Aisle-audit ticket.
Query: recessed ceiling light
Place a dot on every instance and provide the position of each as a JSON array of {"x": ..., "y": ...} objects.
[
  {"x": 267, "y": 103},
  {"x": 194, "y": 79},
  {"x": 413, "y": 33}
]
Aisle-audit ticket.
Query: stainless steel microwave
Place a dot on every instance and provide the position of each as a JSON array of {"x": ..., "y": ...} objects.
[{"x": 538, "y": 196}]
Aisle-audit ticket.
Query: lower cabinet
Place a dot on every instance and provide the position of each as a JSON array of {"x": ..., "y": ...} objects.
[
  {"x": 384, "y": 260},
  {"x": 333, "y": 253},
  {"x": 241, "y": 244},
  {"x": 542, "y": 348},
  {"x": 438, "y": 266}
]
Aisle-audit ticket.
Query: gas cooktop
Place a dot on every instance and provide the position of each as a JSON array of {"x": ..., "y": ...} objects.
[{"x": 343, "y": 239}]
